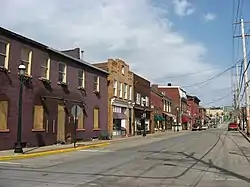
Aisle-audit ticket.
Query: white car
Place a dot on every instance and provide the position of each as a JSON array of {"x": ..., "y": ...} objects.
[{"x": 204, "y": 127}]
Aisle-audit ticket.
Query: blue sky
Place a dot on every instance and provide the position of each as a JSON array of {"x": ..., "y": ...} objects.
[{"x": 159, "y": 39}]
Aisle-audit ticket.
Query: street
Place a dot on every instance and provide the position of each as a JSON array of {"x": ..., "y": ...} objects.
[{"x": 210, "y": 158}]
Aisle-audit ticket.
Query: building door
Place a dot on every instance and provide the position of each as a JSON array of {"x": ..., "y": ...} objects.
[{"x": 60, "y": 124}]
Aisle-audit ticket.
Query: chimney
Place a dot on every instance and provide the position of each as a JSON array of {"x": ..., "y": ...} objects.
[
  {"x": 169, "y": 84},
  {"x": 82, "y": 52},
  {"x": 154, "y": 87}
]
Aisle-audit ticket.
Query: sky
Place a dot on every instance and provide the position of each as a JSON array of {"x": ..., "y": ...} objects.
[{"x": 183, "y": 42}]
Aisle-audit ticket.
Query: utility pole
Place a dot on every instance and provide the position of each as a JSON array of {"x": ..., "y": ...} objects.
[{"x": 247, "y": 104}]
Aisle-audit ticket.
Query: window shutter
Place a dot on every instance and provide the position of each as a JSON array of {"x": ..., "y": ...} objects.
[
  {"x": 38, "y": 118},
  {"x": 96, "y": 118},
  {"x": 81, "y": 120},
  {"x": 3, "y": 114}
]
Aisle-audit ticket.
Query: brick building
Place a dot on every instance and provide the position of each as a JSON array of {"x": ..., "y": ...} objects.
[
  {"x": 194, "y": 102},
  {"x": 162, "y": 110},
  {"x": 179, "y": 104},
  {"x": 120, "y": 96},
  {"x": 141, "y": 93},
  {"x": 53, "y": 83}
]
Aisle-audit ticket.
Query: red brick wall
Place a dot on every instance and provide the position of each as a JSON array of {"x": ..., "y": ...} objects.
[{"x": 194, "y": 110}]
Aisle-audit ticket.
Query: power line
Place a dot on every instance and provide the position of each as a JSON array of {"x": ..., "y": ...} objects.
[
  {"x": 211, "y": 78},
  {"x": 219, "y": 99}
]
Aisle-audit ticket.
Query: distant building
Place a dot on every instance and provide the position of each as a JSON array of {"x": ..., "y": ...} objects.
[
  {"x": 194, "y": 102},
  {"x": 179, "y": 103},
  {"x": 120, "y": 96}
]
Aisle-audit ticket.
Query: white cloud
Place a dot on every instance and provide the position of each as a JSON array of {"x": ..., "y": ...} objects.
[
  {"x": 135, "y": 31},
  {"x": 210, "y": 17},
  {"x": 183, "y": 7}
]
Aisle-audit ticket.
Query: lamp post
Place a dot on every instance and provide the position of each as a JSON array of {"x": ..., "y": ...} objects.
[
  {"x": 178, "y": 118},
  {"x": 144, "y": 117},
  {"x": 18, "y": 147}
]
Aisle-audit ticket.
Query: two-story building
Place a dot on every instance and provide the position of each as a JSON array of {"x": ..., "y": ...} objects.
[
  {"x": 141, "y": 95},
  {"x": 120, "y": 96},
  {"x": 179, "y": 104},
  {"x": 53, "y": 83},
  {"x": 161, "y": 106},
  {"x": 202, "y": 115},
  {"x": 194, "y": 102}
]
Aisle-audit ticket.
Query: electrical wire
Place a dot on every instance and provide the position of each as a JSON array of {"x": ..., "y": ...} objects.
[{"x": 219, "y": 99}]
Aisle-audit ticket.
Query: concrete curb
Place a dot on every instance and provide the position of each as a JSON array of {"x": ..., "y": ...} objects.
[
  {"x": 247, "y": 138},
  {"x": 51, "y": 152}
]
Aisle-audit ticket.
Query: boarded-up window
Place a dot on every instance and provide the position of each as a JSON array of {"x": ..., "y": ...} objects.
[
  {"x": 38, "y": 118},
  {"x": 96, "y": 118},
  {"x": 81, "y": 121},
  {"x": 3, "y": 114}
]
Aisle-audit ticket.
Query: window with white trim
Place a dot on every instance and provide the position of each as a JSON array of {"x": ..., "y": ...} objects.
[
  {"x": 115, "y": 88},
  {"x": 26, "y": 59},
  {"x": 4, "y": 54},
  {"x": 62, "y": 74},
  {"x": 147, "y": 101},
  {"x": 138, "y": 98},
  {"x": 130, "y": 93},
  {"x": 96, "y": 83},
  {"x": 125, "y": 91},
  {"x": 45, "y": 68},
  {"x": 81, "y": 78},
  {"x": 120, "y": 94}
]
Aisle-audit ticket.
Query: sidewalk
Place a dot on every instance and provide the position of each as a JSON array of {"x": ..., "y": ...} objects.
[
  {"x": 245, "y": 135},
  {"x": 56, "y": 149}
]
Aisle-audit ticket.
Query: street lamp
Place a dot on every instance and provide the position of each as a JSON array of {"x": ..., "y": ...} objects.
[
  {"x": 144, "y": 117},
  {"x": 18, "y": 147},
  {"x": 177, "y": 119}
]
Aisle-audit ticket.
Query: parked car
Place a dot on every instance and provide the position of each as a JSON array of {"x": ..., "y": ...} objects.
[
  {"x": 196, "y": 127},
  {"x": 204, "y": 127},
  {"x": 233, "y": 126}
]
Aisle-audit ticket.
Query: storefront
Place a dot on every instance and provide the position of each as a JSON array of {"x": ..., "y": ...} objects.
[{"x": 138, "y": 116}]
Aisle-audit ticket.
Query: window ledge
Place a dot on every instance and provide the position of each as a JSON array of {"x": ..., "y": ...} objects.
[
  {"x": 96, "y": 92},
  {"x": 81, "y": 88},
  {"x": 43, "y": 79},
  {"x": 38, "y": 130},
  {"x": 97, "y": 129},
  {"x": 5, "y": 130},
  {"x": 62, "y": 83},
  {"x": 80, "y": 130},
  {"x": 4, "y": 69}
]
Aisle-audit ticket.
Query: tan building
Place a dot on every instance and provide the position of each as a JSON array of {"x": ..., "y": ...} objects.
[{"x": 120, "y": 96}]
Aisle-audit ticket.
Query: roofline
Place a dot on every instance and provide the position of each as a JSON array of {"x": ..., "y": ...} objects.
[
  {"x": 179, "y": 87},
  {"x": 45, "y": 47},
  {"x": 141, "y": 77},
  {"x": 161, "y": 95},
  {"x": 195, "y": 97}
]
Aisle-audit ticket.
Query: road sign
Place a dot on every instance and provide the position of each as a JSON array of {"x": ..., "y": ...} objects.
[{"x": 76, "y": 111}]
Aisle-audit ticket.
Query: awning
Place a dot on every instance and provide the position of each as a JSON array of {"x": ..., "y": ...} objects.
[
  {"x": 158, "y": 118},
  {"x": 119, "y": 116},
  {"x": 184, "y": 119}
]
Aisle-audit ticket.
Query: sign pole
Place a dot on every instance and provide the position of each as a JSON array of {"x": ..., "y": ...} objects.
[{"x": 75, "y": 126}]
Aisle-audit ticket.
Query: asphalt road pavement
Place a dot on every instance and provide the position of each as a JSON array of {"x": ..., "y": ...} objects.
[{"x": 211, "y": 158}]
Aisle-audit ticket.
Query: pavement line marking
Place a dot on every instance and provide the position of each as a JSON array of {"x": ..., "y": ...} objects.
[
  {"x": 96, "y": 151},
  {"x": 51, "y": 152},
  {"x": 14, "y": 163}
]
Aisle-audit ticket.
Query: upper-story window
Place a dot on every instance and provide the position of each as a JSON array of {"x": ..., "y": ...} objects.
[
  {"x": 81, "y": 78},
  {"x": 115, "y": 88},
  {"x": 164, "y": 106},
  {"x": 123, "y": 70},
  {"x": 147, "y": 101},
  {"x": 45, "y": 68},
  {"x": 26, "y": 59},
  {"x": 62, "y": 74},
  {"x": 96, "y": 83},
  {"x": 138, "y": 98},
  {"x": 120, "y": 92},
  {"x": 130, "y": 92},
  {"x": 4, "y": 54},
  {"x": 125, "y": 91}
]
